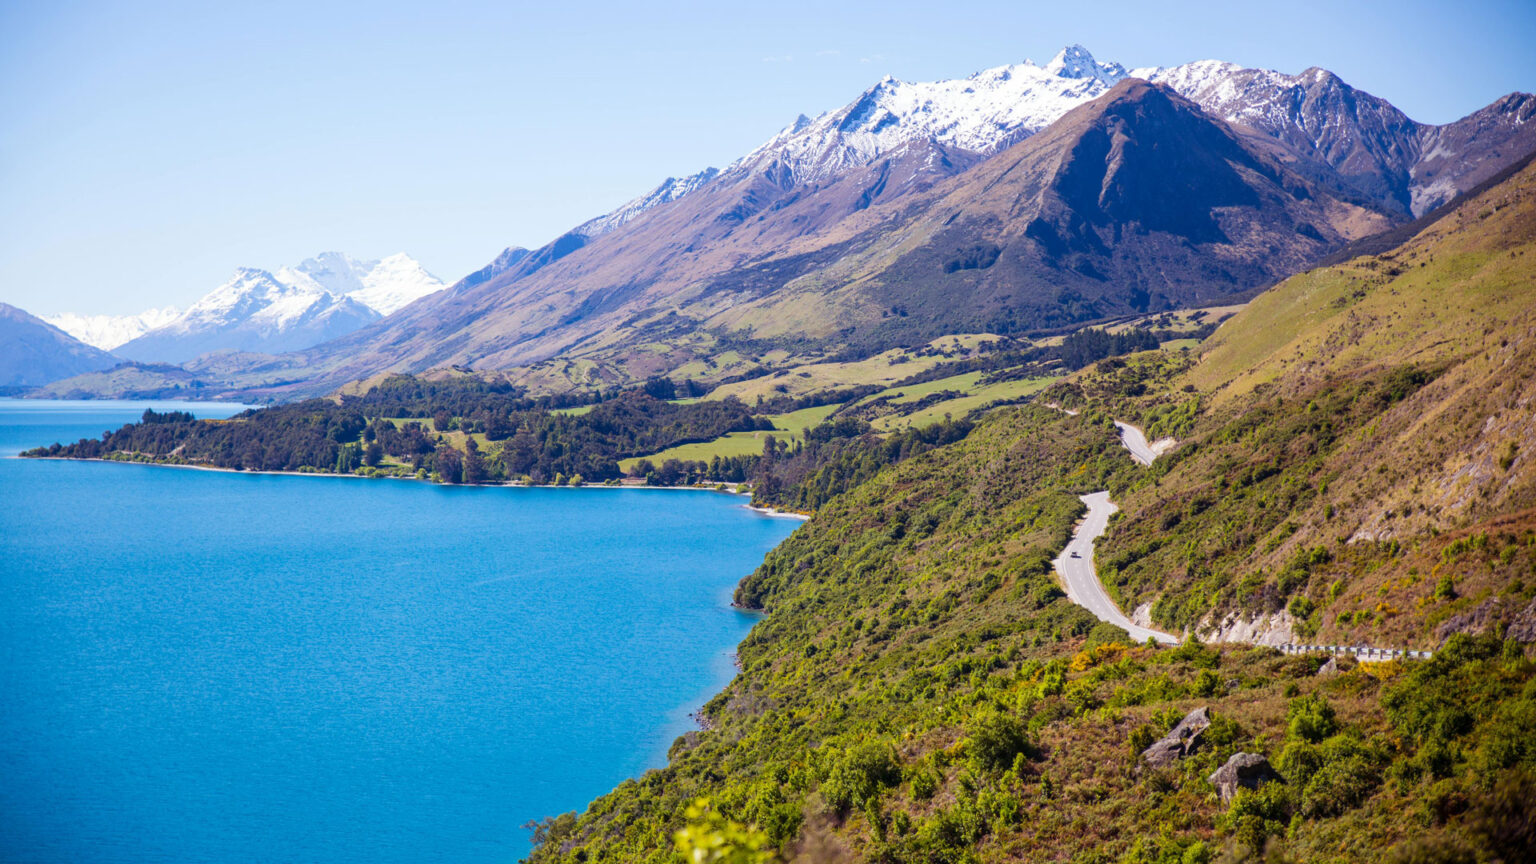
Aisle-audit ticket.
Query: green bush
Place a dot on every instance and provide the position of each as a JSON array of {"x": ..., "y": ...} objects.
[
  {"x": 1208, "y": 683},
  {"x": 924, "y": 783},
  {"x": 1258, "y": 814},
  {"x": 1346, "y": 774},
  {"x": 1310, "y": 718},
  {"x": 862, "y": 772},
  {"x": 993, "y": 740}
]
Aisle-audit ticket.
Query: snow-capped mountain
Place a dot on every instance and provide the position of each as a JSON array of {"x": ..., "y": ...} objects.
[
  {"x": 109, "y": 331},
  {"x": 270, "y": 303},
  {"x": 1364, "y": 140},
  {"x": 384, "y": 285},
  {"x": 253, "y": 311},
  {"x": 321, "y": 298},
  {"x": 670, "y": 189},
  {"x": 981, "y": 114}
]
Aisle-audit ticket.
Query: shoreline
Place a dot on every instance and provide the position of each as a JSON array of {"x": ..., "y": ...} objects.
[{"x": 729, "y": 488}]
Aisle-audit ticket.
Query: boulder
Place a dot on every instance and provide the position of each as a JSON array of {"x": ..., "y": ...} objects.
[
  {"x": 1183, "y": 741},
  {"x": 1242, "y": 771},
  {"x": 1329, "y": 668}
]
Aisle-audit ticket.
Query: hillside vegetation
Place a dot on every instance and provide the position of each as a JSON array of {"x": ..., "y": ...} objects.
[
  {"x": 1387, "y": 419},
  {"x": 1352, "y": 468}
]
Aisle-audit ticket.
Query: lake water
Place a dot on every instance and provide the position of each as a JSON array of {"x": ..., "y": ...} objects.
[{"x": 208, "y": 666}]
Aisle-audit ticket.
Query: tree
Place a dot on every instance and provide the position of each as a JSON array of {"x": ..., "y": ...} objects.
[
  {"x": 348, "y": 458},
  {"x": 670, "y": 473},
  {"x": 474, "y": 464},
  {"x": 448, "y": 464}
]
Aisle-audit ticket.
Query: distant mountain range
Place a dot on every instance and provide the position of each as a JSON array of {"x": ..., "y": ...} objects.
[
  {"x": 321, "y": 298},
  {"x": 1022, "y": 199},
  {"x": 109, "y": 331}
]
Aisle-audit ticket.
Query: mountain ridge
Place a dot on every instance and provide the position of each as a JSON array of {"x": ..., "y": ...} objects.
[
  {"x": 736, "y": 260},
  {"x": 34, "y": 352}
]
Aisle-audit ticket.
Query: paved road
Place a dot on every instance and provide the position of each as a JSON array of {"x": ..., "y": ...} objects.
[
  {"x": 1075, "y": 563},
  {"x": 1082, "y": 581},
  {"x": 1135, "y": 441}
]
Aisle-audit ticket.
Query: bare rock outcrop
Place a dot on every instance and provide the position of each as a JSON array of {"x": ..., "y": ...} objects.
[
  {"x": 1523, "y": 628},
  {"x": 1274, "y": 630},
  {"x": 1242, "y": 771},
  {"x": 1183, "y": 741}
]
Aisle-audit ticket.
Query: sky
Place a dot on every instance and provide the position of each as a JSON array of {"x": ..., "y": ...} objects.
[{"x": 149, "y": 148}]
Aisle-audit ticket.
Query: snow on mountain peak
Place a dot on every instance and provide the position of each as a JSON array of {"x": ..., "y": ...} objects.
[
  {"x": 670, "y": 189},
  {"x": 328, "y": 284},
  {"x": 109, "y": 331},
  {"x": 1074, "y": 61},
  {"x": 983, "y": 113},
  {"x": 383, "y": 286},
  {"x": 256, "y": 310}
]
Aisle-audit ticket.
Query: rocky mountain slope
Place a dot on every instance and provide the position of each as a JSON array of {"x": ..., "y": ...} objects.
[
  {"x": 320, "y": 299},
  {"x": 1328, "y": 127},
  {"x": 914, "y": 245},
  {"x": 1315, "y": 116},
  {"x": 34, "y": 352}
]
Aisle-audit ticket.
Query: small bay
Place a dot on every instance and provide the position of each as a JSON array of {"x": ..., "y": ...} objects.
[{"x": 211, "y": 666}]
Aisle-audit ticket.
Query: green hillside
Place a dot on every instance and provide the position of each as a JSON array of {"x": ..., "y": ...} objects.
[{"x": 1354, "y": 465}]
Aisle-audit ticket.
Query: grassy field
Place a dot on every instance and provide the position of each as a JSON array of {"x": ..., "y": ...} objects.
[
  {"x": 789, "y": 425},
  {"x": 805, "y": 418},
  {"x": 1179, "y": 344},
  {"x": 455, "y": 437},
  {"x": 883, "y": 369},
  {"x": 734, "y": 444},
  {"x": 975, "y": 398}
]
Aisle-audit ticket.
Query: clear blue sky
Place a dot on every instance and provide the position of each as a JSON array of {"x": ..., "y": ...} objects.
[{"x": 147, "y": 148}]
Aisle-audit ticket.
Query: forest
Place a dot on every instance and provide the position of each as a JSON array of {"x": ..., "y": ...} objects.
[
  {"x": 456, "y": 431},
  {"x": 467, "y": 430}
]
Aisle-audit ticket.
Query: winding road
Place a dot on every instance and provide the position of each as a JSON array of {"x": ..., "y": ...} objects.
[
  {"x": 1081, "y": 580},
  {"x": 1075, "y": 563},
  {"x": 1136, "y": 441}
]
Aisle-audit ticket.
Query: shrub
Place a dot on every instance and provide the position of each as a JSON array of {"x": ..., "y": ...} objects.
[
  {"x": 995, "y": 739},
  {"x": 1310, "y": 718},
  {"x": 1257, "y": 815},
  {"x": 1141, "y": 738},
  {"x": 1347, "y": 775},
  {"x": 1208, "y": 683},
  {"x": 709, "y": 838},
  {"x": 859, "y": 775},
  {"x": 1445, "y": 589},
  {"x": 924, "y": 783}
]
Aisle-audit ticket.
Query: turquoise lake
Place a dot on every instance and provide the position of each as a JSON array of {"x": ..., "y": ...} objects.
[{"x": 209, "y": 666}]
